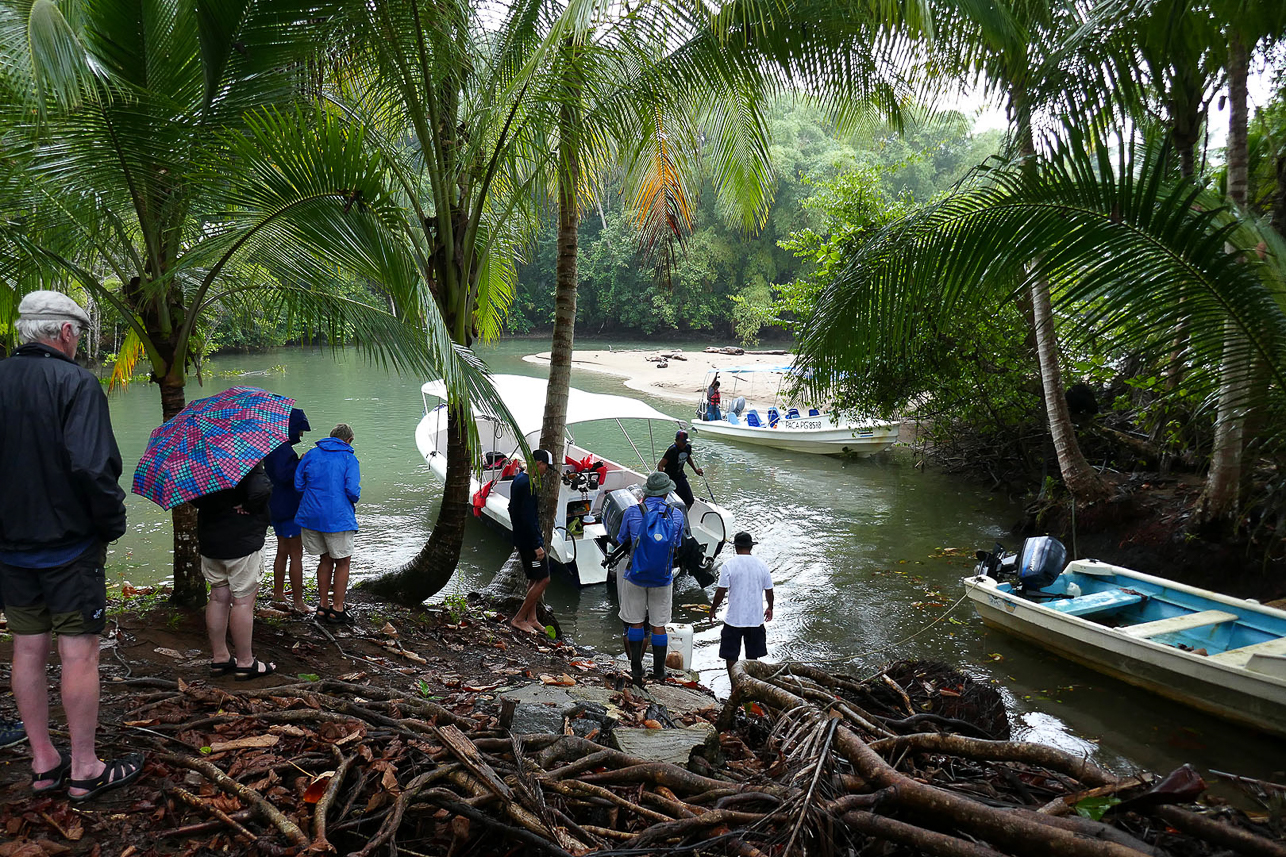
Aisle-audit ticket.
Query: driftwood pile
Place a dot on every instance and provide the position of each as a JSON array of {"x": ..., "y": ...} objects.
[{"x": 806, "y": 762}]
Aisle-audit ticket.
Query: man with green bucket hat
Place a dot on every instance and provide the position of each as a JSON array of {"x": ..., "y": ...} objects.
[{"x": 654, "y": 531}]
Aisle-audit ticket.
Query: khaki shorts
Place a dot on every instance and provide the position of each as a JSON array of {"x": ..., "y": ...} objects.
[
  {"x": 639, "y": 603},
  {"x": 338, "y": 545},
  {"x": 241, "y": 575}
]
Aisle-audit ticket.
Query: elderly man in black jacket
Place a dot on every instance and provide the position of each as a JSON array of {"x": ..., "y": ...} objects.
[{"x": 60, "y": 507}]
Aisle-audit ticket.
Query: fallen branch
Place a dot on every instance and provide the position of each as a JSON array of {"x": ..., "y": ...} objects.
[{"x": 231, "y": 786}]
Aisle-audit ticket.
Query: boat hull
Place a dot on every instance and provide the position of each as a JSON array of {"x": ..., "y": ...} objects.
[
  {"x": 808, "y": 434},
  {"x": 578, "y": 556},
  {"x": 1236, "y": 694}
]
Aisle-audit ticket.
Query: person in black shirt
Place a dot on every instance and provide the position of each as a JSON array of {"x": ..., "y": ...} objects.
[
  {"x": 679, "y": 454},
  {"x": 529, "y": 541}
]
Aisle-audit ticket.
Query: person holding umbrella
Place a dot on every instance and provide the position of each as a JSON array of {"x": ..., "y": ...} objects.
[
  {"x": 211, "y": 453},
  {"x": 331, "y": 484},
  {"x": 231, "y": 526}
]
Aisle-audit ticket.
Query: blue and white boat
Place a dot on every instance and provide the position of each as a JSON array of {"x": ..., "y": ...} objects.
[
  {"x": 1222, "y": 655},
  {"x": 755, "y": 411}
]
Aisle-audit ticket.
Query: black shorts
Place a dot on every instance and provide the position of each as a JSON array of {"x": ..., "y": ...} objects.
[
  {"x": 535, "y": 569},
  {"x": 68, "y": 599},
  {"x": 730, "y": 642}
]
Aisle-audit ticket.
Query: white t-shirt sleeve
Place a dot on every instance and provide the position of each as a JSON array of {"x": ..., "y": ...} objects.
[{"x": 723, "y": 576}]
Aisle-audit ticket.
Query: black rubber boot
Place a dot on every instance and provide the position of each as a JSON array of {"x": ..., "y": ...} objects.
[
  {"x": 635, "y": 649},
  {"x": 658, "y": 662}
]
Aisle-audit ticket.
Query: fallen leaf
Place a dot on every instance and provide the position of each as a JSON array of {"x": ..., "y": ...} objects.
[
  {"x": 170, "y": 653},
  {"x": 563, "y": 680},
  {"x": 141, "y": 722},
  {"x": 287, "y": 729},
  {"x": 253, "y": 742},
  {"x": 652, "y": 724},
  {"x": 481, "y": 688},
  {"x": 317, "y": 787},
  {"x": 352, "y": 676},
  {"x": 389, "y": 629}
]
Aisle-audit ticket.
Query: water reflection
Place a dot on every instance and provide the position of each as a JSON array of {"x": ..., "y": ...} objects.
[{"x": 857, "y": 551}]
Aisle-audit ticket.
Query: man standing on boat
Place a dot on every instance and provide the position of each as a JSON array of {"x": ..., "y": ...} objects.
[
  {"x": 653, "y": 530},
  {"x": 529, "y": 542},
  {"x": 679, "y": 454}
]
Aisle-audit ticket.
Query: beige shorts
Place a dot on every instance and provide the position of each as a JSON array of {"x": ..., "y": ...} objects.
[
  {"x": 338, "y": 545},
  {"x": 639, "y": 603},
  {"x": 241, "y": 575}
]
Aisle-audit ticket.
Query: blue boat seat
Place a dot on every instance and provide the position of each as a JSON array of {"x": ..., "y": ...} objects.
[
  {"x": 732, "y": 419},
  {"x": 752, "y": 419},
  {"x": 813, "y": 412},
  {"x": 1240, "y": 657},
  {"x": 1098, "y": 602},
  {"x": 792, "y": 414},
  {"x": 1177, "y": 624},
  {"x": 773, "y": 418}
]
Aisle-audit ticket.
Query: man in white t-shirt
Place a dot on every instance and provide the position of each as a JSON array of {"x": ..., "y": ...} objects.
[{"x": 747, "y": 582}]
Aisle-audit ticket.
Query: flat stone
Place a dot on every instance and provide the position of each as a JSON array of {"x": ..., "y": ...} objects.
[
  {"x": 680, "y": 700},
  {"x": 540, "y": 694},
  {"x": 533, "y": 719},
  {"x": 663, "y": 745}
]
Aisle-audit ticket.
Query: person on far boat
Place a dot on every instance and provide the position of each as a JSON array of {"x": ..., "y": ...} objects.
[
  {"x": 679, "y": 454},
  {"x": 231, "y": 527},
  {"x": 713, "y": 400},
  {"x": 330, "y": 481},
  {"x": 529, "y": 542},
  {"x": 747, "y": 582},
  {"x": 280, "y": 466},
  {"x": 653, "y": 530}
]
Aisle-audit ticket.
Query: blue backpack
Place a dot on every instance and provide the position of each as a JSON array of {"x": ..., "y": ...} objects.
[{"x": 650, "y": 562}]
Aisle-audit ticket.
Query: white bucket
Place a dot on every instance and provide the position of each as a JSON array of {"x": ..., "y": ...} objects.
[{"x": 681, "y": 642}]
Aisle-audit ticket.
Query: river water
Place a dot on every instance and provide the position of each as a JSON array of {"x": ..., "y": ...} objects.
[{"x": 866, "y": 555}]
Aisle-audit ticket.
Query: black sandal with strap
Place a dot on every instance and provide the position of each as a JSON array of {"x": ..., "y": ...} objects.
[
  {"x": 119, "y": 772},
  {"x": 253, "y": 671},
  {"x": 59, "y": 774},
  {"x": 221, "y": 668}
]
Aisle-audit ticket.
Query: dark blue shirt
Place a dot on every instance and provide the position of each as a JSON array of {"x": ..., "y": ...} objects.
[{"x": 523, "y": 515}]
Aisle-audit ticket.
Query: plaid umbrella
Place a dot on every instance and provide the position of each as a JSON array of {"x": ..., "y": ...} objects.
[{"x": 211, "y": 444}]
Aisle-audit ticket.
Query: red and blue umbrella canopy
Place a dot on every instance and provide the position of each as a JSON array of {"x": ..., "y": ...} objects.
[{"x": 211, "y": 444}]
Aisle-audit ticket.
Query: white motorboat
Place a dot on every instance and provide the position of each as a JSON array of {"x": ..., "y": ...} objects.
[
  {"x": 1222, "y": 655},
  {"x": 783, "y": 425},
  {"x": 595, "y": 490}
]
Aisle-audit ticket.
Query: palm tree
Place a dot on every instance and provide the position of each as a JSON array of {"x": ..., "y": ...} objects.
[
  {"x": 1247, "y": 24},
  {"x": 1117, "y": 234},
  {"x": 133, "y": 121}
]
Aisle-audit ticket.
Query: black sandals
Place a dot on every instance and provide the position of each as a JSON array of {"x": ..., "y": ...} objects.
[
  {"x": 258, "y": 669},
  {"x": 59, "y": 774},
  {"x": 118, "y": 772}
]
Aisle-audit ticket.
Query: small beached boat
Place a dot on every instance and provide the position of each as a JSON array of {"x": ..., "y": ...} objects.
[
  {"x": 595, "y": 491},
  {"x": 1222, "y": 655},
  {"x": 782, "y": 425}
]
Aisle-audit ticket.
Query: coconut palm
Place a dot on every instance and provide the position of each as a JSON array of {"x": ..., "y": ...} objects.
[
  {"x": 1117, "y": 235},
  {"x": 130, "y": 123}
]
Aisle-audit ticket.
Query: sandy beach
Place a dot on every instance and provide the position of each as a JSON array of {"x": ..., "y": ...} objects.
[{"x": 682, "y": 379}]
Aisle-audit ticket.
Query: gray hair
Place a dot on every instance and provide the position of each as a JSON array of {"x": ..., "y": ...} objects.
[
  {"x": 343, "y": 432},
  {"x": 40, "y": 330}
]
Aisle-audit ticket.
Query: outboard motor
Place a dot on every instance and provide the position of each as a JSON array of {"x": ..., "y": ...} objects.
[
  {"x": 614, "y": 506},
  {"x": 1038, "y": 563},
  {"x": 739, "y": 405}
]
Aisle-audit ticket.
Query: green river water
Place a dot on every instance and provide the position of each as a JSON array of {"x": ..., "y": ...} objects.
[{"x": 856, "y": 550}]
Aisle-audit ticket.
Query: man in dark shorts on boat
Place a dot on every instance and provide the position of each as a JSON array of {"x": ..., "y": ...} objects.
[
  {"x": 524, "y": 517},
  {"x": 679, "y": 454}
]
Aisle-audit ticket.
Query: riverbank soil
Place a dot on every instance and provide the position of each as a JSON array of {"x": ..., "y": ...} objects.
[
  {"x": 425, "y": 733},
  {"x": 1146, "y": 527}
]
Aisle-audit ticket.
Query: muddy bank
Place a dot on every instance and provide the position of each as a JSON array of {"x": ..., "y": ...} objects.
[{"x": 444, "y": 732}]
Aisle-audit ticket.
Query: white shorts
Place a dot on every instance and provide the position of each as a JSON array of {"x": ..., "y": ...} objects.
[
  {"x": 338, "y": 545},
  {"x": 241, "y": 575},
  {"x": 640, "y": 603}
]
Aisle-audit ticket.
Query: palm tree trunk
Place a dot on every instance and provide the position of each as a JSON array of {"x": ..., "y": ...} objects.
[
  {"x": 1081, "y": 479},
  {"x": 1220, "y": 499},
  {"x": 554, "y": 425},
  {"x": 189, "y": 583},
  {"x": 434, "y": 566}
]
